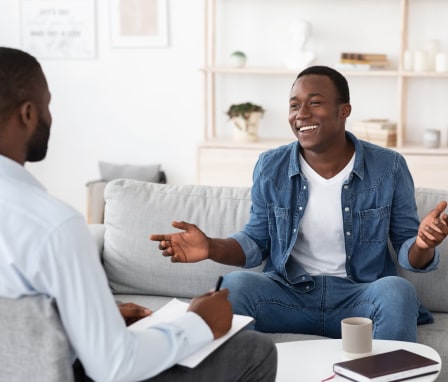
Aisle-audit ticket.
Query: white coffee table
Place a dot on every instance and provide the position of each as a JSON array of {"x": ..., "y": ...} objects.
[{"x": 312, "y": 361}]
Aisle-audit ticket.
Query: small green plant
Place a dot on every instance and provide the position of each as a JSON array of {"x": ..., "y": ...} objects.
[
  {"x": 243, "y": 116},
  {"x": 238, "y": 53},
  {"x": 243, "y": 110}
]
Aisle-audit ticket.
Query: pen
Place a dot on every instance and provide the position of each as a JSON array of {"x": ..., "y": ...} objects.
[{"x": 218, "y": 283}]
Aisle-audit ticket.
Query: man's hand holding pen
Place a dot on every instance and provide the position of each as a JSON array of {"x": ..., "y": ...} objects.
[{"x": 215, "y": 309}]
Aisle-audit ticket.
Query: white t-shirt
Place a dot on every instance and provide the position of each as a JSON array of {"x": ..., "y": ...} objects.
[
  {"x": 46, "y": 248},
  {"x": 320, "y": 246}
]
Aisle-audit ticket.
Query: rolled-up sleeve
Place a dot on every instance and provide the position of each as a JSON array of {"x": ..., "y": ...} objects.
[{"x": 403, "y": 258}]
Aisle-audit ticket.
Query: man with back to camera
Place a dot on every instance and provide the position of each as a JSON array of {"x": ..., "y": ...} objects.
[
  {"x": 323, "y": 210},
  {"x": 54, "y": 254}
]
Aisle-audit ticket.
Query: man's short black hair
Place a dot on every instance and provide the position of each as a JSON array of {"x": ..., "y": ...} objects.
[
  {"x": 20, "y": 76},
  {"x": 337, "y": 78}
]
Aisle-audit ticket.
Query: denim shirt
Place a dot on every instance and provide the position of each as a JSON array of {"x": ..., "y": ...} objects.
[{"x": 378, "y": 206}]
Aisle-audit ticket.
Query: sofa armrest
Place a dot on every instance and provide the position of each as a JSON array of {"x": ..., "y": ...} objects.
[
  {"x": 97, "y": 231},
  {"x": 95, "y": 198},
  {"x": 95, "y": 201},
  {"x": 33, "y": 343}
]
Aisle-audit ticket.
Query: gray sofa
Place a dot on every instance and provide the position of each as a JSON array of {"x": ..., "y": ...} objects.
[{"x": 138, "y": 272}]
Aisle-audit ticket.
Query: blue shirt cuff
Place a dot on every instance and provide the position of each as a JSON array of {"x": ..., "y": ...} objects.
[{"x": 403, "y": 258}]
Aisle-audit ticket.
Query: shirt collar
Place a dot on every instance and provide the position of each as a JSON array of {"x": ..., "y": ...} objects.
[
  {"x": 358, "y": 167},
  {"x": 12, "y": 169}
]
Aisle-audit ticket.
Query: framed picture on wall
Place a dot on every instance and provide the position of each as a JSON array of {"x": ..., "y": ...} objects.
[
  {"x": 139, "y": 23},
  {"x": 58, "y": 28}
]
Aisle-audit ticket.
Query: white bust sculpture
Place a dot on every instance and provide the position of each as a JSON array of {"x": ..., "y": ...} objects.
[{"x": 299, "y": 58}]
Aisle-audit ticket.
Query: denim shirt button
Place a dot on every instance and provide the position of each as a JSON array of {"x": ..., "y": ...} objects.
[
  {"x": 307, "y": 287},
  {"x": 300, "y": 208},
  {"x": 347, "y": 209},
  {"x": 345, "y": 187},
  {"x": 303, "y": 277},
  {"x": 348, "y": 233}
]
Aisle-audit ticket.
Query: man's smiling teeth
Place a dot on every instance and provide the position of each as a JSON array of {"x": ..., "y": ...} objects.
[{"x": 306, "y": 128}]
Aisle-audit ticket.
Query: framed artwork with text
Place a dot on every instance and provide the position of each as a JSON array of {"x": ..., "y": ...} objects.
[{"x": 58, "y": 28}]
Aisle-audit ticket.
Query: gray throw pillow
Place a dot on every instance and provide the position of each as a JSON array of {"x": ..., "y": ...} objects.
[{"x": 147, "y": 173}]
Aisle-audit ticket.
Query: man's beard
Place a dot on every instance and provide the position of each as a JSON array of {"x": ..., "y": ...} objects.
[{"x": 38, "y": 145}]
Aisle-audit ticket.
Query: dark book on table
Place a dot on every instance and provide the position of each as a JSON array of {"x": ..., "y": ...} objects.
[{"x": 394, "y": 365}]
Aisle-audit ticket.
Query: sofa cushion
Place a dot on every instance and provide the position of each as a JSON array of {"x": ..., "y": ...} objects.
[
  {"x": 33, "y": 343},
  {"x": 135, "y": 210},
  {"x": 431, "y": 287}
]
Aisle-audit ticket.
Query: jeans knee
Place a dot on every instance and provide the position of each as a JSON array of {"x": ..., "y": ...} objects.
[
  {"x": 395, "y": 296},
  {"x": 236, "y": 282},
  {"x": 396, "y": 302},
  {"x": 396, "y": 290},
  {"x": 242, "y": 286}
]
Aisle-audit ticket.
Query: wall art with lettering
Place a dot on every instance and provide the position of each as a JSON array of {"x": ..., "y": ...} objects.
[{"x": 58, "y": 28}]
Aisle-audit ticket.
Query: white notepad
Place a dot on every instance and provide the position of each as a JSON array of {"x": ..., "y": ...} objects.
[{"x": 175, "y": 309}]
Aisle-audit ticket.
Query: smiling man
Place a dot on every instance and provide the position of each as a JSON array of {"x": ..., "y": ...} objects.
[{"x": 323, "y": 211}]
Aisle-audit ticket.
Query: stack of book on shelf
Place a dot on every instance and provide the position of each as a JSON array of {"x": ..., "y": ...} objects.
[
  {"x": 379, "y": 131},
  {"x": 363, "y": 61}
]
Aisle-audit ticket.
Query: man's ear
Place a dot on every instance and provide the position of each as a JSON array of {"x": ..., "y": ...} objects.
[
  {"x": 346, "y": 109},
  {"x": 28, "y": 114}
]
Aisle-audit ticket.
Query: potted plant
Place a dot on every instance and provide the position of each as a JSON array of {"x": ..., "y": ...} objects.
[
  {"x": 238, "y": 59},
  {"x": 245, "y": 118}
]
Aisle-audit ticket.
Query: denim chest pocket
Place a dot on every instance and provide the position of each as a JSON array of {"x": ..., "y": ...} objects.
[
  {"x": 278, "y": 222},
  {"x": 374, "y": 224}
]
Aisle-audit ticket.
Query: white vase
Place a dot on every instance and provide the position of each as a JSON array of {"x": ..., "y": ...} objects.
[
  {"x": 238, "y": 59},
  {"x": 246, "y": 130}
]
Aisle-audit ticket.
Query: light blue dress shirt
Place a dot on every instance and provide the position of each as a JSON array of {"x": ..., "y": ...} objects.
[{"x": 46, "y": 248}]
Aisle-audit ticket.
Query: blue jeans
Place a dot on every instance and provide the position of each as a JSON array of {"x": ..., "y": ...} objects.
[{"x": 391, "y": 302}]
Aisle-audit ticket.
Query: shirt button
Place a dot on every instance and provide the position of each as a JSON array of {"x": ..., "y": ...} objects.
[
  {"x": 303, "y": 277},
  {"x": 348, "y": 233},
  {"x": 345, "y": 187},
  {"x": 300, "y": 208},
  {"x": 347, "y": 209},
  {"x": 294, "y": 230},
  {"x": 307, "y": 287},
  {"x": 304, "y": 187}
]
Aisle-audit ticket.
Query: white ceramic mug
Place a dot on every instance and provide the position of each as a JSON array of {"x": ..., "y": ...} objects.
[{"x": 356, "y": 337}]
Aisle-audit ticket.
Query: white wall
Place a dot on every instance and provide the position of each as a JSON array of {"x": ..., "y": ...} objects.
[
  {"x": 126, "y": 106},
  {"x": 146, "y": 105}
]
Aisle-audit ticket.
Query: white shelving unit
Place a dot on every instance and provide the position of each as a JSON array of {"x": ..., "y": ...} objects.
[{"x": 223, "y": 162}]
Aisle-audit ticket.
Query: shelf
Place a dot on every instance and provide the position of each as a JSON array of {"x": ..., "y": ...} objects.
[
  {"x": 285, "y": 71},
  {"x": 414, "y": 100},
  {"x": 266, "y": 144},
  {"x": 225, "y": 162},
  {"x": 425, "y": 74},
  {"x": 228, "y": 143},
  {"x": 420, "y": 150}
]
